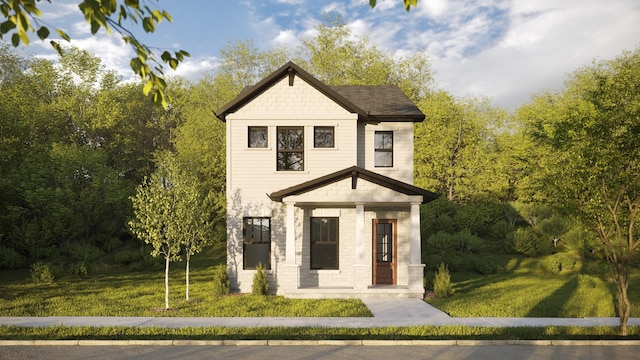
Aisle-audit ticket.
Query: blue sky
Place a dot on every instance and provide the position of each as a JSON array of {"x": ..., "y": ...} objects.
[{"x": 504, "y": 49}]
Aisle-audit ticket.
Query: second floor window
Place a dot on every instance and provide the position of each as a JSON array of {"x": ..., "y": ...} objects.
[
  {"x": 258, "y": 137},
  {"x": 290, "y": 148},
  {"x": 323, "y": 136},
  {"x": 383, "y": 145}
]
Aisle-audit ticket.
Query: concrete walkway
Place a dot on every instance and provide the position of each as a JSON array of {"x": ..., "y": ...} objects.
[{"x": 386, "y": 312}]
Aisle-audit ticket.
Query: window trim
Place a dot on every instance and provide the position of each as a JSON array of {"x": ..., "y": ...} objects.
[
  {"x": 266, "y": 143},
  {"x": 261, "y": 241},
  {"x": 296, "y": 150},
  {"x": 333, "y": 137},
  {"x": 335, "y": 242},
  {"x": 383, "y": 150}
]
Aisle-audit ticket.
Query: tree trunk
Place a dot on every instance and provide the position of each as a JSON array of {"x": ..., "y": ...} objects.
[
  {"x": 624, "y": 309},
  {"x": 166, "y": 282},
  {"x": 187, "y": 275}
]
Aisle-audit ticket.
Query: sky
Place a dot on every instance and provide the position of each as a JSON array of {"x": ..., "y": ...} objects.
[{"x": 507, "y": 50}]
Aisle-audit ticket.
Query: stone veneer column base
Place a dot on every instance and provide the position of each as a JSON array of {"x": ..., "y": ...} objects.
[
  {"x": 361, "y": 277},
  {"x": 288, "y": 278},
  {"x": 416, "y": 277}
]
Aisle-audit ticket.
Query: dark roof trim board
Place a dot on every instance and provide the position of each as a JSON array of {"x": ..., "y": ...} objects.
[
  {"x": 371, "y": 103},
  {"x": 354, "y": 173}
]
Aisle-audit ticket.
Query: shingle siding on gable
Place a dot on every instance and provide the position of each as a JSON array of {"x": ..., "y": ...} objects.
[{"x": 282, "y": 101}]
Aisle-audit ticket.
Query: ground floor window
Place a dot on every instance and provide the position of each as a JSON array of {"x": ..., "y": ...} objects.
[
  {"x": 256, "y": 242},
  {"x": 324, "y": 242}
]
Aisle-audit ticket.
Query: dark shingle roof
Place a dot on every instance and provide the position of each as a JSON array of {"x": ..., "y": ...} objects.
[
  {"x": 371, "y": 103},
  {"x": 380, "y": 101},
  {"x": 354, "y": 173}
]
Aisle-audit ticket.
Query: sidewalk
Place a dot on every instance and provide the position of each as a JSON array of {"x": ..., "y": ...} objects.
[{"x": 386, "y": 312}]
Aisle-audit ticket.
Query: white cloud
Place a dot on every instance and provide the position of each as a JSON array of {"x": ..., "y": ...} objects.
[
  {"x": 194, "y": 68},
  {"x": 545, "y": 40}
]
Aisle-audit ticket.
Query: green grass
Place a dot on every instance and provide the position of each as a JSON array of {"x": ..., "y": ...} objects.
[
  {"x": 314, "y": 333},
  {"x": 121, "y": 292},
  {"x": 523, "y": 290}
]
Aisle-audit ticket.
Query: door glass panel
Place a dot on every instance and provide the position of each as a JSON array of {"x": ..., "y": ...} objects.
[{"x": 384, "y": 243}]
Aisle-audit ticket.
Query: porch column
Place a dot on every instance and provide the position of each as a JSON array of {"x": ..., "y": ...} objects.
[
  {"x": 290, "y": 247},
  {"x": 361, "y": 271},
  {"x": 360, "y": 240},
  {"x": 414, "y": 248}
]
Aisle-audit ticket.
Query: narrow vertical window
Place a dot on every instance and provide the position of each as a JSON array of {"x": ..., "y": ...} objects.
[
  {"x": 258, "y": 136},
  {"x": 290, "y": 149},
  {"x": 256, "y": 242},
  {"x": 323, "y": 136},
  {"x": 383, "y": 145},
  {"x": 324, "y": 243}
]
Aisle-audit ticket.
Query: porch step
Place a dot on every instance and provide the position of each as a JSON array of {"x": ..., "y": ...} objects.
[{"x": 385, "y": 291}]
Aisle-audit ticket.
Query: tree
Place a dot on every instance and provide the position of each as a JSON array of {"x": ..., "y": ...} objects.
[
  {"x": 153, "y": 206},
  {"x": 455, "y": 149},
  {"x": 172, "y": 214},
  {"x": 22, "y": 18},
  {"x": 592, "y": 130}
]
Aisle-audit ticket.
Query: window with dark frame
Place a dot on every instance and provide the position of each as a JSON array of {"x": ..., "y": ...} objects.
[
  {"x": 256, "y": 242},
  {"x": 324, "y": 243},
  {"x": 323, "y": 136},
  {"x": 290, "y": 148},
  {"x": 258, "y": 137},
  {"x": 383, "y": 145}
]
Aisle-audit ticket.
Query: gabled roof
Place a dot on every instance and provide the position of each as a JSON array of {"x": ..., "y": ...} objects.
[
  {"x": 355, "y": 173},
  {"x": 371, "y": 103}
]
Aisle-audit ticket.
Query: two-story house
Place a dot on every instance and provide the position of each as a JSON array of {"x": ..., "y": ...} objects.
[{"x": 319, "y": 188}]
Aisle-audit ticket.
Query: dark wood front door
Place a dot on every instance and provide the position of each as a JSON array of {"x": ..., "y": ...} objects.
[{"x": 384, "y": 252}]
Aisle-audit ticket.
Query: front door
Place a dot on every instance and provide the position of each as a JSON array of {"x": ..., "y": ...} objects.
[{"x": 384, "y": 252}]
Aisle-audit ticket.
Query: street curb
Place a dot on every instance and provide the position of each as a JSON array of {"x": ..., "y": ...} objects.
[{"x": 319, "y": 342}]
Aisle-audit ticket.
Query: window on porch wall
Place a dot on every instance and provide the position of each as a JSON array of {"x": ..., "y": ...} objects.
[
  {"x": 256, "y": 242},
  {"x": 324, "y": 243}
]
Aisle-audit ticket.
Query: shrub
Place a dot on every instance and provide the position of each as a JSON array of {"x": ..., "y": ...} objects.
[
  {"x": 559, "y": 262},
  {"x": 521, "y": 242},
  {"x": 10, "y": 259},
  {"x": 127, "y": 256},
  {"x": 485, "y": 266},
  {"x": 42, "y": 274},
  {"x": 429, "y": 279},
  {"x": 440, "y": 241},
  {"x": 477, "y": 215},
  {"x": 80, "y": 269},
  {"x": 220, "y": 280},
  {"x": 442, "y": 283},
  {"x": 85, "y": 252},
  {"x": 112, "y": 244},
  {"x": 260, "y": 284},
  {"x": 466, "y": 242},
  {"x": 500, "y": 230}
]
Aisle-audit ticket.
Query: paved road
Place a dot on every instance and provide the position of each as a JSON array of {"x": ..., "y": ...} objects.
[{"x": 518, "y": 352}]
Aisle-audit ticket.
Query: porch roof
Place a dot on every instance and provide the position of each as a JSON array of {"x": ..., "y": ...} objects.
[{"x": 354, "y": 173}]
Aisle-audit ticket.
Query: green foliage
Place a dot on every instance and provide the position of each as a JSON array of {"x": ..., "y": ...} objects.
[
  {"x": 220, "y": 280},
  {"x": 500, "y": 230},
  {"x": 127, "y": 256},
  {"x": 85, "y": 252},
  {"x": 465, "y": 242},
  {"x": 556, "y": 263},
  {"x": 526, "y": 242},
  {"x": 485, "y": 265},
  {"x": 260, "y": 285},
  {"x": 107, "y": 16},
  {"x": 42, "y": 274},
  {"x": 10, "y": 259},
  {"x": 442, "y": 283},
  {"x": 80, "y": 270}
]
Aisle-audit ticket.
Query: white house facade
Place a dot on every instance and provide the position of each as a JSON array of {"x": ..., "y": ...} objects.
[{"x": 319, "y": 188}]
